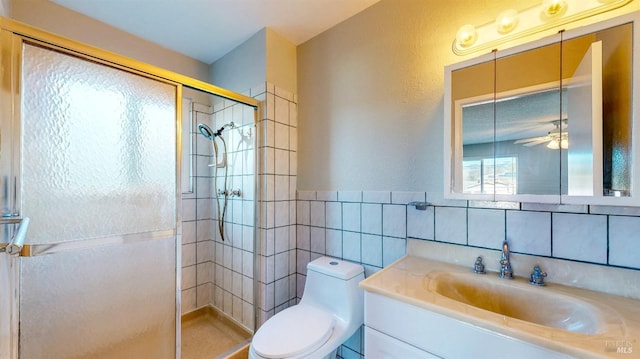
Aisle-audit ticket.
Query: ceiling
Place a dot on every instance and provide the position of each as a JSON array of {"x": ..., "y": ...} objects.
[{"x": 208, "y": 29}]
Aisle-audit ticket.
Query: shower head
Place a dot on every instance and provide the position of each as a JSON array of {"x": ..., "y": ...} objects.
[
  {"x": 206, "y": 131},
  {"x": 230, "y": 124}
]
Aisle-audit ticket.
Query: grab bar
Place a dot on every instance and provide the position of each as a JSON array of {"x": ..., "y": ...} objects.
[{"x": 17, "y": 242}]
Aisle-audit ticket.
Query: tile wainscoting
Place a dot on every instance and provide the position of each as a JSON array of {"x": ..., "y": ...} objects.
[{"x": 372, "y": 228}]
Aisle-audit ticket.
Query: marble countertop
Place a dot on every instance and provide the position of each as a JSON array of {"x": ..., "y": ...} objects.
[{"x": 413, "y": 280}]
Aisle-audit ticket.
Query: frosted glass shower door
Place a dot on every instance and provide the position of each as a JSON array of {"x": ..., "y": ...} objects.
[{"x": 98, "y": 181}]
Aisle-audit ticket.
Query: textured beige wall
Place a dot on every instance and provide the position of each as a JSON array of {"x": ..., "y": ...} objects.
[
  {"x": 62, "y": 21},
  {"x": 281, "y": 62},
  {"x": 371, "y": 94}
]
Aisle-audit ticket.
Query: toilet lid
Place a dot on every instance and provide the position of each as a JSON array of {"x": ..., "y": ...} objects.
[{"x": 293, "y": 332}]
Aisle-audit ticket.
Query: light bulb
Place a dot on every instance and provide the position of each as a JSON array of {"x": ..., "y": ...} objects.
[
  {"x": 507, "y": 21},
  {"x": 552, "y": 8},
  {"x": 553, "y": 145},
  {"x": 466, "y": 35}
]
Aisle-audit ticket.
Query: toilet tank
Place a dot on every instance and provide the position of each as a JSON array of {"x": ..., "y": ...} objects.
[{"x": 333, "y": 284}]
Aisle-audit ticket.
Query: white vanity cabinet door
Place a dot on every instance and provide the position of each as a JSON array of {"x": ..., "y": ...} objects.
[
  {"x": 446, "y": 337},
  {"x": 381, "y": 346}
]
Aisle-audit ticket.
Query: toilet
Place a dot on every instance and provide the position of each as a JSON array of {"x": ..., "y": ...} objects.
[{"x": 330, "y": 312}]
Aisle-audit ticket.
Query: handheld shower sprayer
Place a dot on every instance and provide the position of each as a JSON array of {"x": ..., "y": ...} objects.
[{"x": 222, "y": 194}]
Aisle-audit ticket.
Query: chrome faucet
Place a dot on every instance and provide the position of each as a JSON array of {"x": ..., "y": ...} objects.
[{"x": 505, "y": 265}]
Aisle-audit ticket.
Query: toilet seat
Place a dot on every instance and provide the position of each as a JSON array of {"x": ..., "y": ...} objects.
[{"x": 292, "y": 332}]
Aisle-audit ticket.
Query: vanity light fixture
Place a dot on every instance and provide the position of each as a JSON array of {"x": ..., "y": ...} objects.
[
  {"x": 511, "y": 25},
  {"x": 507, "y": 21},
  {"x": 466, "y": 35},
  {"x": 551, "y": 8}
]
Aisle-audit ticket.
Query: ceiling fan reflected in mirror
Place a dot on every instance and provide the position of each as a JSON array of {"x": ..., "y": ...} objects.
[{"x": 558, "y": 138}]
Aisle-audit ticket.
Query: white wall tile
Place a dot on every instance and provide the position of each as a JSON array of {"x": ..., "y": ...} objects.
[
  {"x": 486, "y": 227},
  {"x": 188, "y": 254},
  {"x": 293, "y": 139},
  {"x": 376, "y": 197},
  {"x": 351, "y": 217},
  {"x": 204, "y": 251},
  {"x": 247, "y": 264},
  {"x": 281, "y": 136},
  {"x": 281, "y": 110},
  {"x": 350, "y": 196},
  {"x": 334, "y": 243},
  {"x": 204, "y": 273},
  {"x": 624, "y": 246},
  {"x": 281, "y": 239},
  {"x": 281, "y": 265},
  {"x": 303, "y": 257},
  {"x": 188, "y": 232},
  {"x": 318, "y": 240},
  {"x": 307, "y": 195},
  {"x": 451, "y": 225},
  {"x": 203, "y": 230},
  {"x": 351, "y": 246},
  {"x": 188, "y": 209},
  {"x": 303, "y": 213},
  {"x": 372, "y": 218},
  {"x": 282, "y": 213},
  {"x": 281, "y": 188},
  {"x": 393, "y": 249},
  {"x": 394, "y": 220},
  {"x": 282, "y": 291},
  {"x": 188, "y": 277},
  {"x": 580, "y": 237},
  {"x": 372, "y": 249},
  {"x": 281, "y": 166},
  {"x": 293, "y": 112},
  {"x": 247, "y": 238},
  {"x": 303, "y": 237},
  {"x": 237, "y": 260},
  {"x": 334, "y": 215},
  {"x": 317, "y": 214},
  {"x": 529, "y": 232},
  {"x": 188, "y": 300},
  {"x": 293, "y": 166},
  {"x": 203, "y": 210},
  {"x": 329, "y": 196},
  {"x": 420, "y": 224},
  {"x": 203, "y": 294}
]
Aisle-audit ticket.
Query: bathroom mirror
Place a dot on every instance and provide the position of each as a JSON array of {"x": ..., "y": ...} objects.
[{"x": 549, "y": 122}]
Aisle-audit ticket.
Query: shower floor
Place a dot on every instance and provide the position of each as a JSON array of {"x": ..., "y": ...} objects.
[{"x": 206, "y": 334}]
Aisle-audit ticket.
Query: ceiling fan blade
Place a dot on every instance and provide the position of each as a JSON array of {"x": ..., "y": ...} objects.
[
  {"x": 537, "y": 142},
  {"x": 532, "y": 139}
]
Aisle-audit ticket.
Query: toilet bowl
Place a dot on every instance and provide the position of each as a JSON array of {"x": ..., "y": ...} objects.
[{"x": 329, "y": 313}]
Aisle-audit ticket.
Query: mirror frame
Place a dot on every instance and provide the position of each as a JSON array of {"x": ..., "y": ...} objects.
[{"x": 453, "y": 135}]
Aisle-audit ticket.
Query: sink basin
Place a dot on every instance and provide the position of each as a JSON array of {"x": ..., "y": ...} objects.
[{"x": 519, "y": 300}]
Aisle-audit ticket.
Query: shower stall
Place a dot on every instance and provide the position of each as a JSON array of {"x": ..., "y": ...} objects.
[
  {"x": 219, "y": 216},
  {"x": 93, "y": 226}
]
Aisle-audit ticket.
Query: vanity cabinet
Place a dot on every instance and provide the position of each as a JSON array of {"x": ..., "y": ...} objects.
[{"x": 396, "y": 329}]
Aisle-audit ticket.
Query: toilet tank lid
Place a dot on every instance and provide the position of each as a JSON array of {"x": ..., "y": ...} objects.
[{"x": 335, "y": 268}]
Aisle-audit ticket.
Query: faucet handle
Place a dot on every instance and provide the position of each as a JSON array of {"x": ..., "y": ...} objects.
[
  {"x": 537, "y": 276},
  {"x": 478, "y": 266}
]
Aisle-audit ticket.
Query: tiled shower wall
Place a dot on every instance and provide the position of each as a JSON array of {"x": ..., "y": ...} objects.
[
  {"x": 216, "y": 272},
  {"x": 221, "y": 273},
  {"x": 371, "y": 228},
  {"x": 277, "y": 180}
]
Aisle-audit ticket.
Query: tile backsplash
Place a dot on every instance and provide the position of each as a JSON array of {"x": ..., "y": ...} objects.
[{"x": 371, "y": 225}]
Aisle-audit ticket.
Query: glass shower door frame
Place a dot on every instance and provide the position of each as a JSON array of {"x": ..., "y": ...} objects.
[{"x": 12, "y": 36}]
